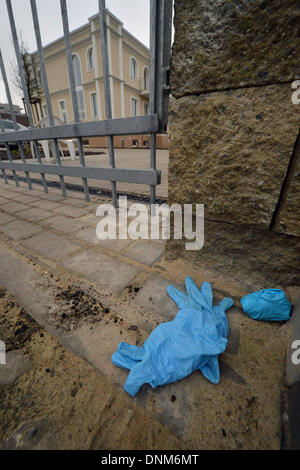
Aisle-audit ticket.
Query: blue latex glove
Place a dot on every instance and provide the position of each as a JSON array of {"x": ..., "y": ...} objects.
[
  {"x": 192, "y": 341},
  {"x": 267, "y": 305}
]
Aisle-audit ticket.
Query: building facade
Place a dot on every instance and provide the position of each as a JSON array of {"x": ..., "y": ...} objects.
[
  {"x": 129, "y": 79},
  {"x": 4, "y": 108},
  {"x": 5, "y": 113}
]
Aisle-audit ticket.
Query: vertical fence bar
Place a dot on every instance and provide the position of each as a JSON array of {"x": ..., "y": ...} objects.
[
  {"x": 45, "y": 85},
  {"x": 4, "y": 174},
  {"x": 153, "y": 92},
  {"x": 107, "y": 91},
  {"x": 13, "y": 115},
  {"x": 2, "y": 169},
  {"x": 64, "y": 14},
  {"x": 165, "y": 39},
  {"x": 9, "y": 154},
  {"x": 24, "y": 86},
  {"x": 160, "y": 53}
]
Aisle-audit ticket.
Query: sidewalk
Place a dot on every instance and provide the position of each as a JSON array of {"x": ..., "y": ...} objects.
[{"x": 54, "y": 265}]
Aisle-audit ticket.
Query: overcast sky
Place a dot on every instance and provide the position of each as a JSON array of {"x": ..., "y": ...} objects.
[{"x": 133, "y": 13}]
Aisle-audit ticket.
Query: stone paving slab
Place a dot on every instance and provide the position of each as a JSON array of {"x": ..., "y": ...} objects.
[
  {"x": 64, "y": 224},
  {"x": 52, "y": 197},
  {"x": 8, "y": 194},
  {"x": 153, "y": 296},
  {"x": 76, "y": 202},
  {"x": 91, "y": 219},
  {"x": 12, "y": 187},
  {"x": 36, "y": 192},
  {"x": 20, "y": 229},
  {"x": 89, "y": 235},
  {"x": 71, "y": 211},
  {"x": 5, "y": 219},
  {"x": 145, "y": 252},
  {"x": 50, "y": 245},
  {"x": 35, "y": 215},
  {"x": 15, "y": 207},
  {"x": 24, "y": 199},
  {"x": 44, "y": 204},
  {"x": 109, "y": 273}
]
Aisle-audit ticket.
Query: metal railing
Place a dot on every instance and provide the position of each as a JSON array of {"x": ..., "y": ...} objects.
[{"x": 155, "y": 122}]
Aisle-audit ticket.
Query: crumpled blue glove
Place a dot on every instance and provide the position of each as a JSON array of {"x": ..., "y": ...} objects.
[
  {"x": 192, "y": 341},
  {"x": 267, "y": 305}
]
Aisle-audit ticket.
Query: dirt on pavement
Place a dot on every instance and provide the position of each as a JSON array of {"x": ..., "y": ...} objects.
[{"x": 64, "y": 403}]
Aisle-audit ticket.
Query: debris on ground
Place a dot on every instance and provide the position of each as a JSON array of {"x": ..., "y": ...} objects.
[
  {"x": 77, "y": 307},
  {"x": 61, "y": 402}
]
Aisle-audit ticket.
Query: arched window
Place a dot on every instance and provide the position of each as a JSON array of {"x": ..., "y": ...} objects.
[
  {"x": 79, "y": 86},
  {"x": 77, "y": 70},
  {"x": 146, "y": 78},
  {"x": 133, "y": 68},
  {"x": 90, "y": 59}
]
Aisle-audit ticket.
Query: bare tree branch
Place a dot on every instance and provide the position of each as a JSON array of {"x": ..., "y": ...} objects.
[{"x": 30, "y": 76}]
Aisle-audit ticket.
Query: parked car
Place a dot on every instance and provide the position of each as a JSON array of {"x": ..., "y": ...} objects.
[{"x": 9, "y": 127}]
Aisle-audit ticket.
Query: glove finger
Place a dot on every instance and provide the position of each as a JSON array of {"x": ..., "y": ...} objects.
[
  {"x": 122, "y": 361},
  {"x": 226, "y": 303},
  {"x": 211, "y": 370},
  {"x": 196, "y": 296},
  {"x": 135, "y": 353},
  {"x": 180, "y": 299},
  {"x": 192, "y": 289},
  {"x": 141, "y": 374},
  {"x": 207, "y": 292}
]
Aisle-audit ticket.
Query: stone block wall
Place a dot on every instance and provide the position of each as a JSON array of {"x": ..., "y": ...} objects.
[
  {"x": 234, "y": 43},
  {"x": 234, "y": 130}
]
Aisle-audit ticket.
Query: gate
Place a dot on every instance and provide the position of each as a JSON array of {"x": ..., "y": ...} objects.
[{"x": 155, "y": 122}]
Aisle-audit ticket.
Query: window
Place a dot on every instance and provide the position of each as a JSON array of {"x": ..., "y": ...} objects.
[
  {"x": 145, "y": 143},
  {"x": 79, "y": 86},
  {"x": 134, "y": 107},
  {"x": 133, "y": 68},
  {"x": 81, "y": 104},
  {"x": 63, "y": 111},
  {"x": 146, "y": 109},
  {"x": 94, "y": 104},
  {"x": 90, "y": 59},
  {"x": 146, "y": 78},
  {"x": 77, "y": 70},
  {"x": 135, "y": 143},
  {"x": 45, "y": 111}
]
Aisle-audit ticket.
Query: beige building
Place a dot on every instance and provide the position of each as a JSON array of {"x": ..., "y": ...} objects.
[{"x": 129, "y": 78}]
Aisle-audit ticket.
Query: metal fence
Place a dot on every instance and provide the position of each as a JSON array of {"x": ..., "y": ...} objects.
[{"x": 155, "y": 122}]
